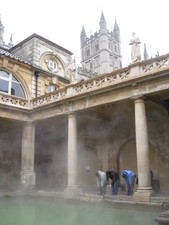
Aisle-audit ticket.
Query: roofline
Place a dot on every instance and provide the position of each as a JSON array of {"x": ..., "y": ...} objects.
[
  {"x": 42, "y": 39},
  {"x": 5, "y": 53}
]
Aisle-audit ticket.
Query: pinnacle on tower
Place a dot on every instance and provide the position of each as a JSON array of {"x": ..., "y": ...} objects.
[
  {"x": 103, "y": 23},
  {"x": 83, "y": 36},
  {"x": 83, "y": 32},
  {"x": 116, "y": 31},
  {"x": 116, "y": 27}
]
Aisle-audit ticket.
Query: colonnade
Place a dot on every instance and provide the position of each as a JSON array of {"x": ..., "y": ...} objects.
[{"x": 144, "y": 190}]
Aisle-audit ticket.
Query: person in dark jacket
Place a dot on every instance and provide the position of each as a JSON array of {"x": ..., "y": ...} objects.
[
  {"x": 114, "y": 176},
  {"x": 129, "y": 180}
]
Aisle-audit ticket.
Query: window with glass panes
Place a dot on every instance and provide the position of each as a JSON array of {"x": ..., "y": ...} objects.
[{"x": 10, "y": 85}]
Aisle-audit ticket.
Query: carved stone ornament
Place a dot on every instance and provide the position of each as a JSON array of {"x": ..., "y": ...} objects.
[{"x": 52, "y": 65}]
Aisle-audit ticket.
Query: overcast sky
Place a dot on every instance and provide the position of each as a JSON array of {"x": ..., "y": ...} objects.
[{"x": 61, "y": 21}]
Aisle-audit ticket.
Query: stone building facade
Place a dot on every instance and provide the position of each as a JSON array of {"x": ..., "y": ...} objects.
[{"x": 45, "y": 56}]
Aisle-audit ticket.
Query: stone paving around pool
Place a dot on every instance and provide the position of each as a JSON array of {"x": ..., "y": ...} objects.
[{"x": 159, "y": 199}]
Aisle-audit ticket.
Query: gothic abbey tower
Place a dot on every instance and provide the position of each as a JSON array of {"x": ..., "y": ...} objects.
[{"x": 101, "y": 52}]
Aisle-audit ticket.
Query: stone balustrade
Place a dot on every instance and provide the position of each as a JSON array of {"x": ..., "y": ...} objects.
[
  {"x": 107, "y": 80},
  {"x": 139, "y": 69},
  {"x": 13, "y": 100}
]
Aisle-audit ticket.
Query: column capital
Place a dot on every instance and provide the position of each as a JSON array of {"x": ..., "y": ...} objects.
[
  {"x": 137, "y": 97},
  {"x": 29, "y": 122},
  {"x": 72, "y": 113}
]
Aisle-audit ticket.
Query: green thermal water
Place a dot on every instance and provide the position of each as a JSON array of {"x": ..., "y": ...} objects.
[{"x": 36, "y": 211}]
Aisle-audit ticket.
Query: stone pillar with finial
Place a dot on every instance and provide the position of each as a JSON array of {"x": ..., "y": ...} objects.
[
  {"x": 145, "y": 52},
  {"x": 1, "y": 33},
  {"x": 10, "y": 45},
  {"x": 73, "y": 71}
]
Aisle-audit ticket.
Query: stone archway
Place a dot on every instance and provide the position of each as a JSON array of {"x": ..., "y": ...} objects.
[{"x": 126, "y": 158}]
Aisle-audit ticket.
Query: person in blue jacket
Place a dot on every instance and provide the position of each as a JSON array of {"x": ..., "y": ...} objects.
[{"x": 129, "y": 180}]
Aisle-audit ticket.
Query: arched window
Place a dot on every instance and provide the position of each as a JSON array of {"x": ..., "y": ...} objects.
[{"x": 10, "y": 85}]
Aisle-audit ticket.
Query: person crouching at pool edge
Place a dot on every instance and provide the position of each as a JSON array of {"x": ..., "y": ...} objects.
[
  {"x": 101, "y": 182},
  {"x": 129, "y": 180},
  {"x": 114, "y": 176}
]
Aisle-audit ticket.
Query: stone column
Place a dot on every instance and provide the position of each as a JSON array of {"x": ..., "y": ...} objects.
[
  {"x": 72, "y": 188},
  {"x": 27, "y": 156},
  {"x": 144, "y": 190}
]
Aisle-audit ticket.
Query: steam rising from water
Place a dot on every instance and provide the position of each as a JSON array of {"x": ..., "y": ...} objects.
[{"x": 102, "y": 135}]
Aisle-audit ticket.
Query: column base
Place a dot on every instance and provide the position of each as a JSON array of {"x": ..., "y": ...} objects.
[
  {"x": 28, "y": 179},
  {"x": 143, "y": 194},
  {"x": 73, "y": 191}
]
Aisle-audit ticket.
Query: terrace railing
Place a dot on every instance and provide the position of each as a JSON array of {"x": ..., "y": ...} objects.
[
  {"x": 133, "y": 71},
  {"x": 140, "y": 69}
]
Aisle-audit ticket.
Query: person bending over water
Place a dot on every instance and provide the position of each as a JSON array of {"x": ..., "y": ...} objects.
[
  {"x": 101, "y": 182},
  {"x": 129, "y": 180},
  {"x": 114, "y": 176}
]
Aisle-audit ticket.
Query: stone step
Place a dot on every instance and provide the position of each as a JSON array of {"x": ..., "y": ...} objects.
[
  {"x": 121, "y": 197},
  {"x": 160, "y": 199},
  {"x": 109, "y": 197}
]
